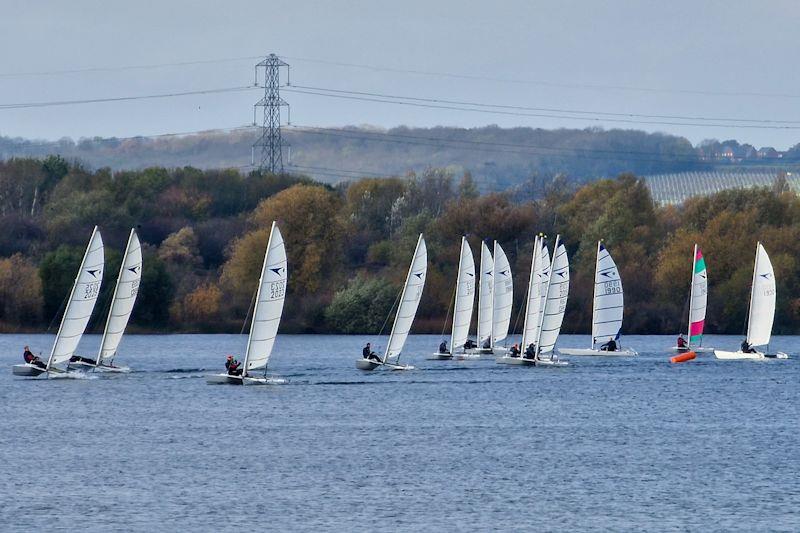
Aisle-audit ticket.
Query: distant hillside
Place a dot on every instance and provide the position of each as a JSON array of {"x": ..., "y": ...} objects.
[{"x": 497, "y": 158}]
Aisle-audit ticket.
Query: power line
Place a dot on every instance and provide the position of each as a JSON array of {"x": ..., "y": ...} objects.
[
  {"x": 385, "y": 100},
  {"x": 53, "y": 103},
  {"x": 544, "y": 83}
]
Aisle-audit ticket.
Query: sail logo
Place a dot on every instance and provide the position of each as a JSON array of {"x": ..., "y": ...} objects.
[
  {"x": 489, "y": 273},
  {"x": 504, "y": 272},
  {"x": 94, "y": 272},
  {"x": 135, "y": 269},
  {"x": 608, "y": 274},
  {"x": 766, "y": 276},
  {"x": 277, "y": 270},
  {"x": 418, "y": 274}
]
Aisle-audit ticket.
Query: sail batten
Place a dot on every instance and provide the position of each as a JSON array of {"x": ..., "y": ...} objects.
[{"x": 409, "y": 301}]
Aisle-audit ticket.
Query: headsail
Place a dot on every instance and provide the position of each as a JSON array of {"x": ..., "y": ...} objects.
[
  {"x": 130, "y": 274},
  {"x": 698, "y": 299},
  {"x": 485, "y": 298},
  {"x": 607, "y": 306},
  {"x": 465, "y": 296},
  {"x": 269, "y": 303},
  {"x": 81, "y": 302},
  {"x": 503, "y": 295},
  {"x": 409, "y": 301},
  {"x": 556, "y": 303},
  {"x": 762, "y": 300}
]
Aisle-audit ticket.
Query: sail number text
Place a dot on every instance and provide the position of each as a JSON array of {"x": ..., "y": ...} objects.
[
  {"x": 91, "y": 290},
  {"x": 277, "y": 289},
  {"x": 610, "y": 287}
]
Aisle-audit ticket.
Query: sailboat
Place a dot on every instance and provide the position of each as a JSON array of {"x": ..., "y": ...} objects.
[
  {"x": 464, "y": 301},
  {"x": 125, "y": 292},
  {"x": 607, "y": 308},
  {"x": 534, "y": 304},
  {"x": 80, "y": 305},
  {"x": 762, "y": 311},
  {"x": 267, "y": 312},
  {"x": 698, "y": 301},
  {"x": 552, "y": 316},
  {"x": 406, "y": 311}
]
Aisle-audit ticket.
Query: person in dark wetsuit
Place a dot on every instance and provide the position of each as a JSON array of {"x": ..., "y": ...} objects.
[
  {"x": 682, "y": 342},
  {"x": 32, "y": 359},
  {"x": 514, "y": 351},
  {"x": 746, "y": 348},
  {"x": 530, "y": 351},
  {"x": 79, "y": 359},
  {"x": 610, "y": 346},
  {"x": 443, "y": 347},
  {"x": 487, "y": 344},
  {"x": 367, "y": 353},
  {"x": 470, "y": 344},
  {"x": 232, "y": 366}
]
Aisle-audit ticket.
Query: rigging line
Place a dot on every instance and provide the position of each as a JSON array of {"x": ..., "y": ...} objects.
[
  {"x": 546, "y": 109},
  {"x": 26, "y": 105},
  {"x": 127, "y": 67},
  {"x": 536, "y": 115},
  {"x": 545, "y": 83}
]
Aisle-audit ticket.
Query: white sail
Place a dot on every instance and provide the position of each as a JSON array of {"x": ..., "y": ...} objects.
[
  {"x": 556, "y": 303},
  {"x": 81, "y": 302},
  {"x": 533, "y": 299},
  {"x": 503, "y": 295},
  {"x": 485, "y": 299},
  {"x": 269, "y": 303},
  {"x": 544, "y": 280},
  {"x": 130, "y": 274},
  {"x": 409, "y": 301},
  {"x": 762, "y": 300},
  {"x": 698, "y": 298},
  {"x": 465, "y": 297},
  {"x": 608, "y": 299}
]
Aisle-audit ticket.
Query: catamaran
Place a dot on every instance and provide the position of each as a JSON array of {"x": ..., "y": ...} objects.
[
  {"x": 406, "y": 311},
  {"x": 464, "y": 301},
  {"x": 267, "y": 312},
  {"x": 698, "y": 301},
  {"x": 125, "y": 292},
  {"x": 552, "y": 316},
  {"x": 761, "y": 313},
  {"x": 537, "y": 283},
  {"x": 80, "y": 305},
  {"x": 607, "y": 309}
]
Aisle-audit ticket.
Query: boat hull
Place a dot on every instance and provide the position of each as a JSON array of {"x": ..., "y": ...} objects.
[
  {"x": 112, "y": 369},
  {"x": 440, "y": 356},
  {"x": 551, "y": 362},
  {"x": 696, "y": 349},
  {"x": 738, "y": 356},
  {"x": 627, "y": 352},
  {"x": 368, "y": 364},
  {"x": 466, "y": 356},
  {"x": 520, "y": 361},
  {"x": 227, "y": 379},
  {"x": 26, "y": 370}
]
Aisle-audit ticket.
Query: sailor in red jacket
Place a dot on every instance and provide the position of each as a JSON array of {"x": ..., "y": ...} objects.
[{"x": 32, "y": 359}]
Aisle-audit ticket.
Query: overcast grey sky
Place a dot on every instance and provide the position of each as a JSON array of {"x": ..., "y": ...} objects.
[{"x": 696, "y": 59}]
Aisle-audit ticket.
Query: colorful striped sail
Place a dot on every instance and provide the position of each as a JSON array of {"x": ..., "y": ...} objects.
[{"x": 698, "y": 299}]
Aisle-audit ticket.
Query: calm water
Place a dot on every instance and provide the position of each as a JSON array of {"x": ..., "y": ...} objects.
[{"x": 626, "y": 444}]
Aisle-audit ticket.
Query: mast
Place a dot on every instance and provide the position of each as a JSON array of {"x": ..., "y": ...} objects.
[
  {"x": 69, "y": 301},
  {"x": 547, "y": 293},
  {"x": 258, "y": 300},
  {"x": 113, "y": 299},
  {"x": 594, "y": 290},
  {"x": 691, "y": 297},
  {"x": 530, "y": 288},
  {"x": 752, "y": 293},
  {"x": 400, "y": 304}
]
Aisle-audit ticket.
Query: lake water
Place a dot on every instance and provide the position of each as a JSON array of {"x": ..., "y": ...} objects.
[{"x": 619, "y": 444}]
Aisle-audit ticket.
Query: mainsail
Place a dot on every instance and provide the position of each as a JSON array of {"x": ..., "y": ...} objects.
[
  {"x": 269, "y": 303},
  {"x": 607, "y": 306},
  {"x": 762, "y": 300},
  {"x": 533, "y": 300},
  {"x": 465, "y": 296},
  {"x": 503, "y": 295},
  {"x": 409, "y": 301},
  {"x": 556, "y": 303},
  {"x": 698, "y": 298},
  {"x": 125, "y": 291},
  {"x": 81, "y": 302},
  {"x": 485, "y": 299}
]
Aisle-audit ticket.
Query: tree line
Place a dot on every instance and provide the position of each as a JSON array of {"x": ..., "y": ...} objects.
[{"x": 204, "y": 232}]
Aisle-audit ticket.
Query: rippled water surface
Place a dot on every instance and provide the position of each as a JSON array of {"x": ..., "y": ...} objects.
[{"x": 616, "y": 444}]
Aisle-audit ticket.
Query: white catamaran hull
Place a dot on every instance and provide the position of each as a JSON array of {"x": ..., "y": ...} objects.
[
  {"x": 89, "y": 367},
  {"x": 742, "y": 356},
  {"x": 508, "y": 360},
  {"x": 227, "y": 379},
  {"x": 466, "y": 356},
  {"x": 551, "y": 362},
  {"x": 27, "y": 370},
  {"x": 368, "y": 364},
  {"x": 695, "y": 349},
  {"x": 440, "y": 356},
  {"x": 627, "y": 352}
]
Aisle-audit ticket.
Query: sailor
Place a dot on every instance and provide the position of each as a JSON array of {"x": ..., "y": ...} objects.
[
  {"x": 681, "y": 342},
  {"x": 79, "y": 359},
  {"x": 443, "y": 347},
  {"x": 746, "y": 348},
  {"x": 228, "y": 361},
  {"x": 32, "y": 359},
  {"x": 530, "y": 351},
  {"x": 233, "y": 366},
  {"x": 610, "y": 346},
  {"x": 514, "y": 351},
  {"x": 470, "y": 344},
  {"x": 367, "y": 353},
  {"x": 487, "y": 344}
]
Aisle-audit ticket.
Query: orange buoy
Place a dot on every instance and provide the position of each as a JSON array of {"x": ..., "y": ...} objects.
[{"x": 682, "y": 358}]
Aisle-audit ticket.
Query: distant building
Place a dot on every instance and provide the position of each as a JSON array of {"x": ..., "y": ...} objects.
[
  {"x": 673, "y": 189},
  {"x": 768, "y": 152}
]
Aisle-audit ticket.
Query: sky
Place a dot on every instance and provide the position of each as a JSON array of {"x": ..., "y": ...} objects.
[{"x": 699, "y": 69}]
